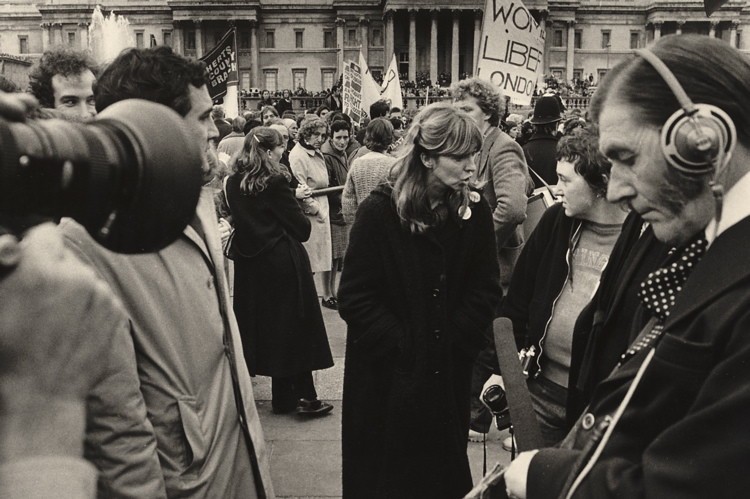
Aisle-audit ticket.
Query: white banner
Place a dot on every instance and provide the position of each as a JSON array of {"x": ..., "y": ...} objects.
[
  {"x": 511, "y": 49},
  {"x": 359, "y": 91},
  {"x": 391, "y": 89}
]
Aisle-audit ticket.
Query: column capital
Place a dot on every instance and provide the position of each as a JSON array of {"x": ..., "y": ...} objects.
[
  {"x": 83, "y": 24},
  {"x": 734, "y": 24},
  {"x": 364, "y": 21},
  {"x": 681, "y": 22},
  {"x": 340, "y": 22},
  {"x": 413, "y": 11},
  {"x": 570, "y": 23},
  {"x": 232, "y": 23},
  {"x": 197, "y": 22},
  {"x": 714, "y": 23},
  {"x": 253, "y": 23},
  {"x": 657, "y": 24},
  {"x": 45, "y": 25}
]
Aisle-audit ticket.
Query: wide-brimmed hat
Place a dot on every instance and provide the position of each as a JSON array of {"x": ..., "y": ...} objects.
[{"x": 546, "y": 110}]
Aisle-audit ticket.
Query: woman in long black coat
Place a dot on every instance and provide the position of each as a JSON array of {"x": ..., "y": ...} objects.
[
  {"x": 275, "y": 301},
  {"x": 418, "y": 291}
]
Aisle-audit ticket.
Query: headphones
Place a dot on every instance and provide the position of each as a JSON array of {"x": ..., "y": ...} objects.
[{"x": 698, "y": 138}]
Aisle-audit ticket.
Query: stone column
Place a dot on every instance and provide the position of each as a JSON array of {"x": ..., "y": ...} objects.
[
  {"x": 657, "y": 30},
  {"x": 254, "y": 64},
  {"x": 543, "y": 15},
  {"x": 412, "y": 45},
  {"x": 46, "y": 36},
  {"x": 733, "y": 34},
  {"x": 712, "y": 29},
  {"x": 455, "y": 76},
  {"x": 177, "y": 44},
  {"x": 434, "y": 46},
  {"x": 680, "y": 24},
  {"x": 340, "y": 23},
  {"x": 477, "y": 38},
  {"x": 570, "y": 55},
  {"x": 364, "y": 37},
  {"x": 198, "y": 38},
  {"x": 389, "y": 41}
]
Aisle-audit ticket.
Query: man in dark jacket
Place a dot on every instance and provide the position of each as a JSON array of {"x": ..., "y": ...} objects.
[
  {"x": 540, "y": 149},
  {"x": 504, "y": 179},
  {"x": 681, "y": 388}
]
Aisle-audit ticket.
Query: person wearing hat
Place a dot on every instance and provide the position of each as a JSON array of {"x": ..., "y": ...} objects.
[
  {"x": 513, "y": 125},
  {"x": 541, "y": 148}
]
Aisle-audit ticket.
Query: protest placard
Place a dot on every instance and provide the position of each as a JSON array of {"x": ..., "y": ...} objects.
[
  {"x": 359, "y": 91},
  {"x": 511, "y": 49}
]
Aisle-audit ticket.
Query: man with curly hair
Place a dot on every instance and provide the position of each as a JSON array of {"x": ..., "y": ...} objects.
[
  {"x": 64, "y": 80},
  {"x": 504, "y": 178}
]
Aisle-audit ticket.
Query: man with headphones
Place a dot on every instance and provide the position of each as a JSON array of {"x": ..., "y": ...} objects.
[{"x": 671, "y": 418}]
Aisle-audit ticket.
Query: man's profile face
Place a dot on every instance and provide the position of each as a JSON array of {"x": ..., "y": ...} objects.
[
  {"x": 198, "y": 120},
  {"x": 74, "y": 95}
]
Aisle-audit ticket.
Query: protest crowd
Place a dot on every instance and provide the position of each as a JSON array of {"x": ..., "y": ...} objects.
[{"x": 600, "y": 247}]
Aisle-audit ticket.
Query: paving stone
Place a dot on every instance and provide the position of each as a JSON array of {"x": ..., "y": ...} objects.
[{"x": 305, "y": 468}]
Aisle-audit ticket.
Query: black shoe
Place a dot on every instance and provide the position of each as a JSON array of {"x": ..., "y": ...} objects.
[
  {"x": 330, "y": 303},
  {"x": 312, "y": 408}
]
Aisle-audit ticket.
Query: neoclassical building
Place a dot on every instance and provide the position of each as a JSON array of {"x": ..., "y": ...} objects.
[{"x": 303, "y": 43}]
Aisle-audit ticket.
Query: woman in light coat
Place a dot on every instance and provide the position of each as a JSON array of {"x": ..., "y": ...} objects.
[{"x": 309, "y": 166}]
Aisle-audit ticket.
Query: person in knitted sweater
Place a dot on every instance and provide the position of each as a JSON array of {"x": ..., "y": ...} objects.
[{"x": 369, "y": 170}]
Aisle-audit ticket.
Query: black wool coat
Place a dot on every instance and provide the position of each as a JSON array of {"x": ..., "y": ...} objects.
[
  {"x": 275, "y": 301},
  {"x": 541, "y": 156},
  {"x": 685, "y": 432},
  {"x": 416, "y": 307}
]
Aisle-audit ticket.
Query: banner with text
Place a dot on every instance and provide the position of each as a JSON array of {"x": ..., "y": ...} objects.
[
  {"x": 221, "y": 64},
  {"x": 360, "y": 90},
  {"x": 511, "y": 49}
]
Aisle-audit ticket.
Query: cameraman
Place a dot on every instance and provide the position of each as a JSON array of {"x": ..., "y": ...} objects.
[{"x": 59, "y": 328}]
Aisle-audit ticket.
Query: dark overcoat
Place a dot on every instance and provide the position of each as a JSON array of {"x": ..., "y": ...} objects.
[
  {"x": 541, "y": 157},
  {"x": 685, "y": 432},
  {"x": 416, "y": 307},
  {"x": 275, "y": 300}
]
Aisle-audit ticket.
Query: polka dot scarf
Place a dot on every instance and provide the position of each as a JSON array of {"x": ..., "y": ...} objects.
[{"x": 660, "y": 289}]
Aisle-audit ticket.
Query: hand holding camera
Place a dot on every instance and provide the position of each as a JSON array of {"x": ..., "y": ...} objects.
[{"x": 493, "y": 396}]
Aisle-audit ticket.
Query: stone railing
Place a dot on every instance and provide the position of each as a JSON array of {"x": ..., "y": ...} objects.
[{"x": 301, "y": 104}]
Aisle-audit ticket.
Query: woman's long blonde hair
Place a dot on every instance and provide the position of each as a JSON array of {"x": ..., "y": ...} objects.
[
  {"x": 438, "y": 130},
  {"x": 253, "y": 164}
]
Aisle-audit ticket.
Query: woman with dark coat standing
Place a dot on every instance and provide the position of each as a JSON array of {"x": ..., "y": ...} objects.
[
  {"x": 418, "y": 293},
  {"x": 275, "y": 301}
]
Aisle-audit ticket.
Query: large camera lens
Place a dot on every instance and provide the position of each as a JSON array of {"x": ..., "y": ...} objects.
[{"x": 132, "y": 178}]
